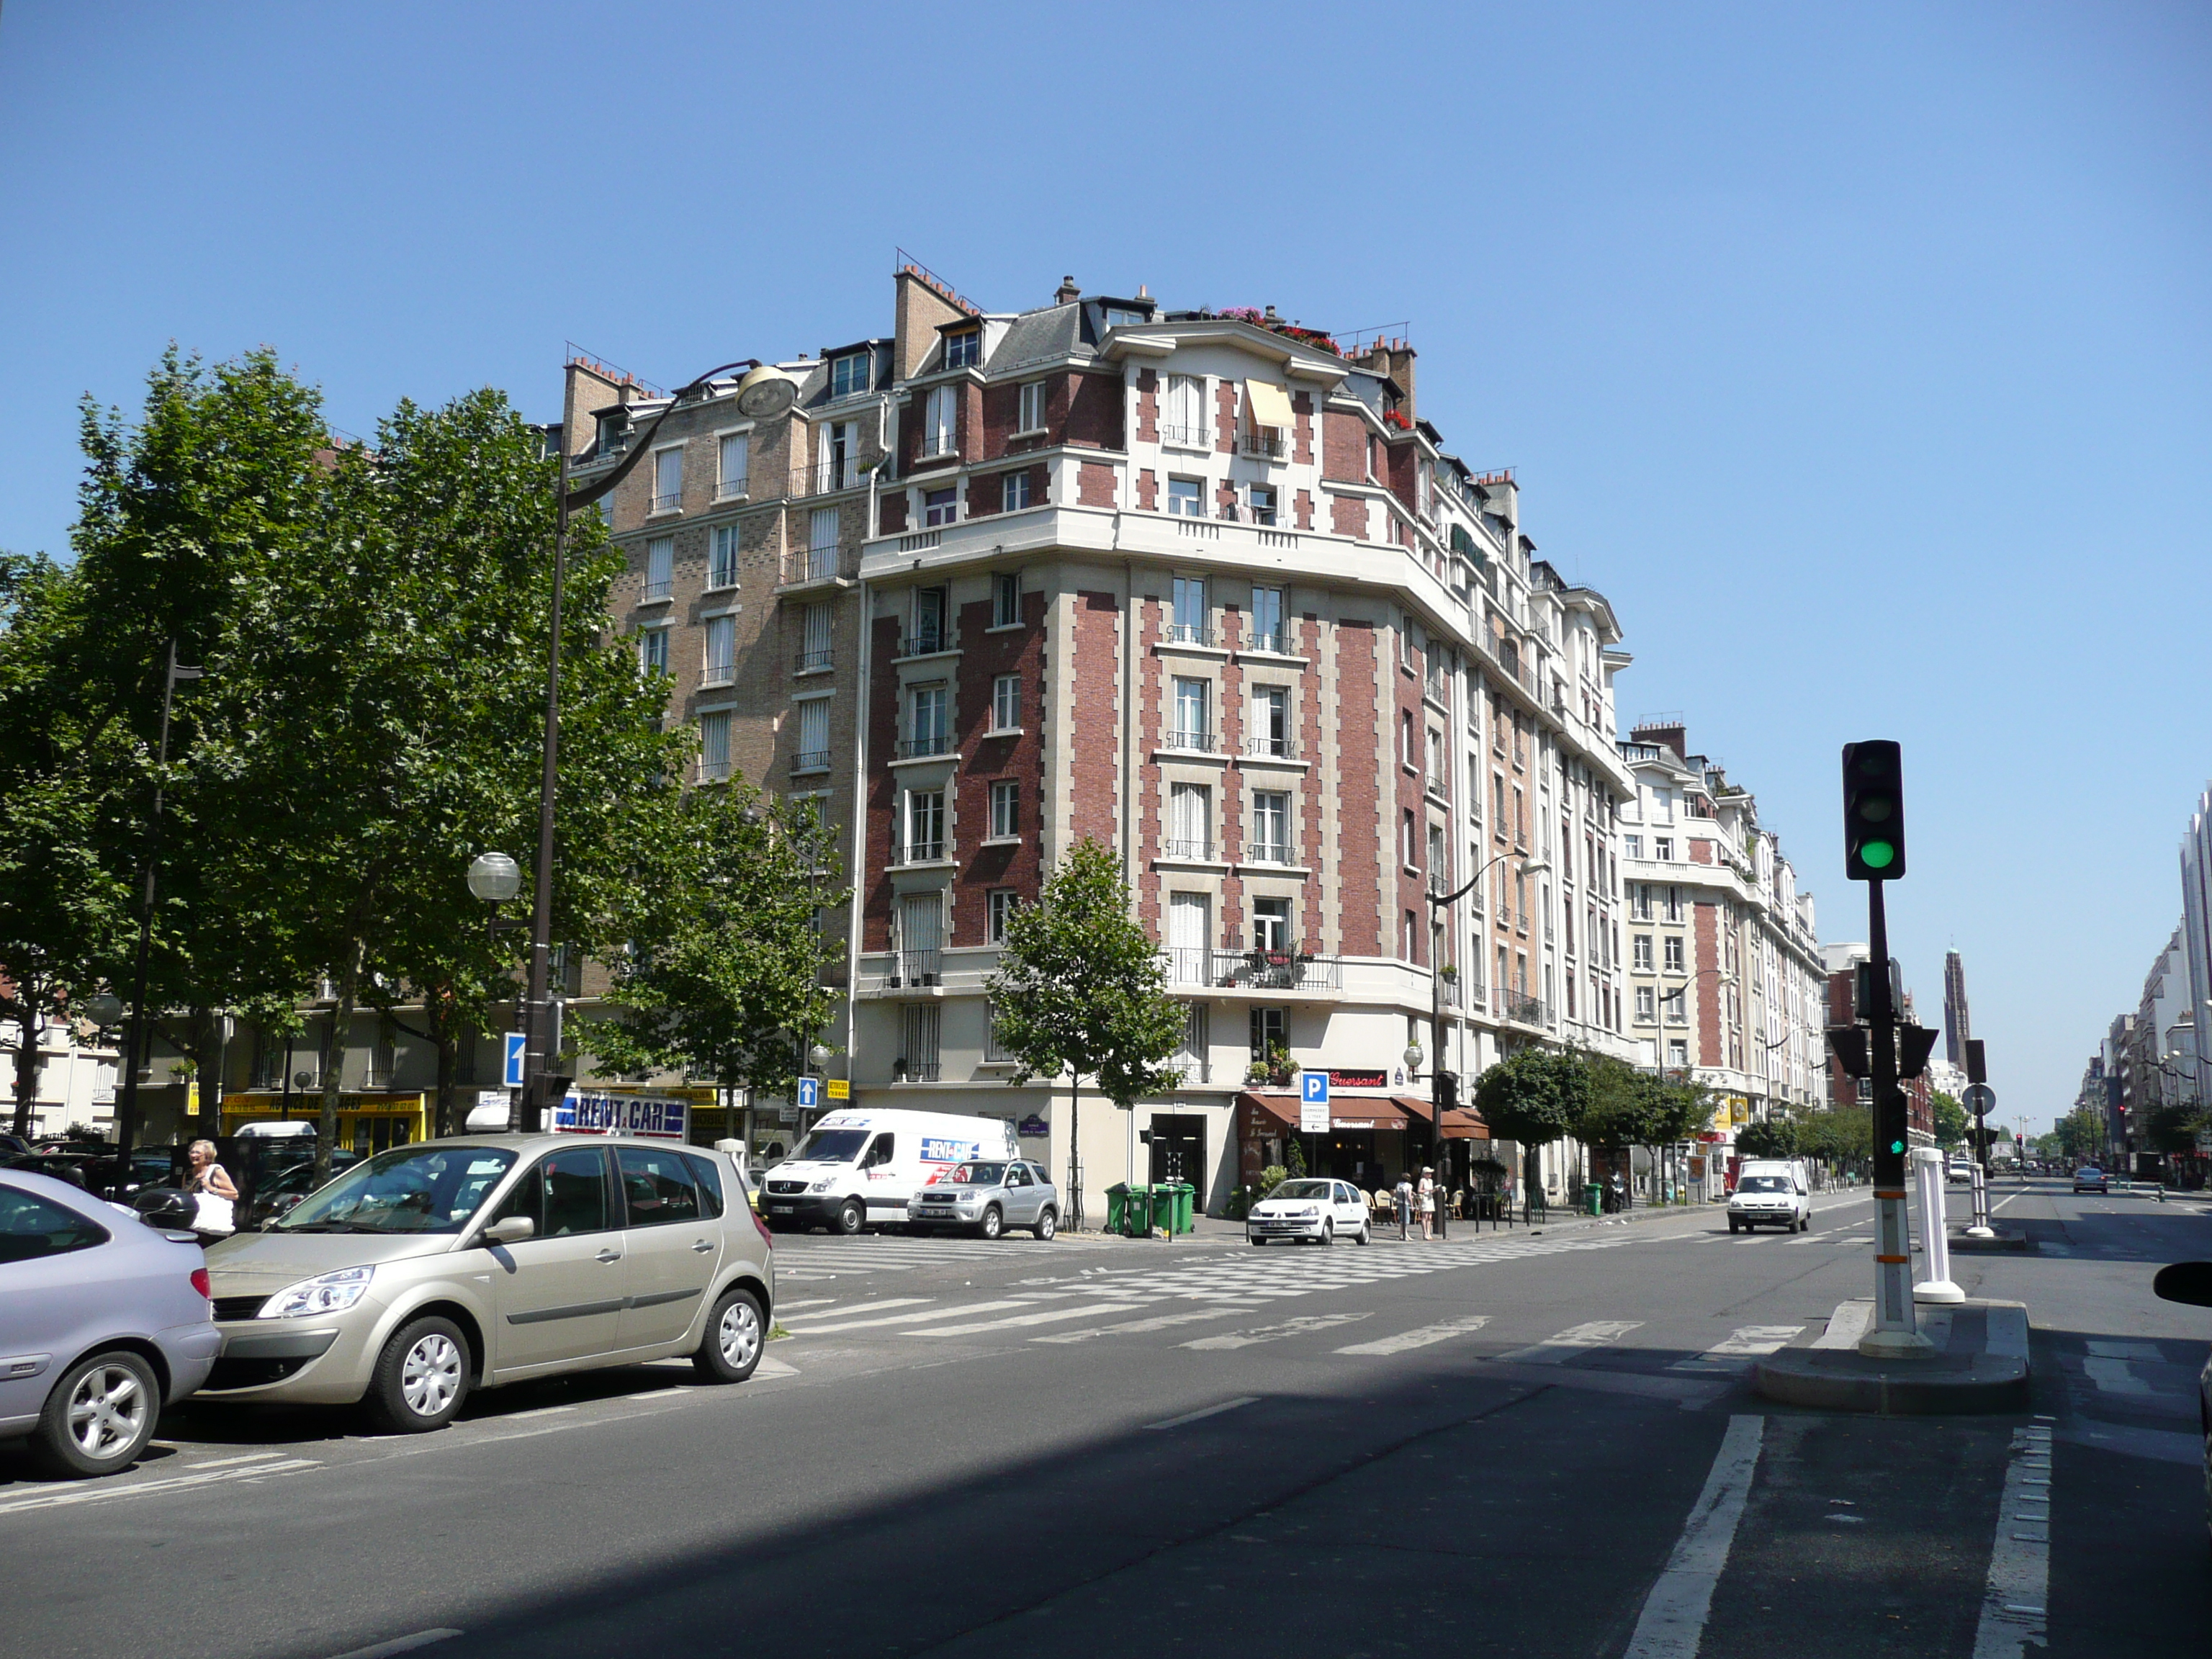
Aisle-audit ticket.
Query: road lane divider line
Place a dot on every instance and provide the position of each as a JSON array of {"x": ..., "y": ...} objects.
[
  {"x": 1038, "y": 1317},
  {"x": 540, "y": 1411},
  {"x": 243, "y": 1457},
  {"x": 1673, "y": 1622},
  {"x": 1405, "y": 1341},
  {"x": 2015, "y": 1597},
  {"x": 398, "y": 1645},
  {"x": 657, "y": 1393},
  {"x": 1157, "y": 1322},
  {"x": 916, "y": 1318},
  {"x": 1275, "y": 1333},
  {"x": 1206, "y": 1412},
  {"x": 883, "y": 1305},
  {"x": 810, "y": 1302},
  {"x": 1576, "y": 1339},
  {"x": 75, "y": 1495}
]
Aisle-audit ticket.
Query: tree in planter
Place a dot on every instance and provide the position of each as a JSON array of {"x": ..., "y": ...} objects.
[
  {"x": 722, "y": 979},
  {"x": 1534, "y": 1096},
  {"x": 1080, "y": 990}
]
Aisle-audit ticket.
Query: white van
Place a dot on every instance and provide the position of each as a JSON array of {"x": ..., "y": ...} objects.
[
  {"x": 1771, "y": 1191},
  {"x": 856, "y": 1167}
]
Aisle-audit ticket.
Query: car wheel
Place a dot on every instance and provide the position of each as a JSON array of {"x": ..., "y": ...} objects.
[
  {"x": 1048, "y": 1225},
  {"x": 1255, "y": 1242},
  {"x": 421, "y": 1378},
  {"x": 992, "y": 1223},
  {"x": 1734, "y": 1226},
  {"x": 853, "y": 1219},
  {"x": 730, "y": 1350},
  {"x": 1327, "y": 1233},
  {"x": 1364, "y": 1231},
  {"x": 99, "y": 1417}
]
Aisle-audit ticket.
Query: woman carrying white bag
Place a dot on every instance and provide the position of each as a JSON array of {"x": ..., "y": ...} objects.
[{"x": 214, "y": 1195}]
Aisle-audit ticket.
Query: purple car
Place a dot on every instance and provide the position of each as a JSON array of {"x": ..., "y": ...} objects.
[{"x": 103, "y": 1321}]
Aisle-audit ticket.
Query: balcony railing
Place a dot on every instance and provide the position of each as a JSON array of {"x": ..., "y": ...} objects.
[
  {"x": 1522, "y": 1009},
  {"x": 1194, "y": 742},
  {"x": 1271, "y": 748},
  {"x": 1189, "y": 964},
  {"x": 1189, "y": 633},
  {"x": 1448, "y": 992},
  {"x": 729, "y": 489},
  {"x": 911, "y": 967},
  {"x": 919, "y": 852},
  {"x": 718, "y": 674},
  {"x": 934, "y": 445},
  {"x": 1276, "y": 970},
  {"x": 914, "y": 1071},
  {"x": 1266, "y": 443},
  {"x": 821, "y": 564},
  {"x": 928, "y": 744},
  {"x": 1187, "y": 437},
  {"x": 814, "y": 662},
  {"x": 811, "y": 760},
  {"x": 1267, "y": 852},
  {"x": 921, "y": 645},
  {"x": 832, "y": 473},
  {"x": 1181, "y": 848},
  {"x": 660, "y": 590},
  {"x": 668, "y": 502},
  {"x": 1277, "y": 643}
]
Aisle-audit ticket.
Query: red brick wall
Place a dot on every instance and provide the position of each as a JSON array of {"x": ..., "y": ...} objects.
[
  {"x": 970, "y": 434},
  {"x": 1148, "y": 490},
  {"x": 892, "y": 513},
  {"x": 1305, "y": 509},
  {"x": 1360, "y": 849},
  {"x": 1343, "y": 447},
  {"x": 984, "y": 760},
  {"x": 1701, "y": 850},
  {"x": 1001, "y": 406},
  {"x": 1225, "y": 416},
  {"x": 986, "y": 494},
  {"x": 1408, "y": 798},
  {"x": 1097, "y": 649},
  {"x": 1302, "y": 406},
  {"x": 1088, "y": 409},
  {"x": 1705, "y": 958},
  {"x": 1347, "y": 516},
  {"x": 875, "y": 885},
  {"x": 1307, "y": 831},
  {"x": 1225, "y": 498},
  {"x": 1151, "y": 719},
  {"x": 1094, "y": 484},
  {"x": 1148, "y": 405},
  {"x": 1398, "y": 460}
]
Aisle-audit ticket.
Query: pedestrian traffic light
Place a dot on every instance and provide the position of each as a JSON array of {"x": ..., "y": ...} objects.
[{"x": 1874, "y": 811}]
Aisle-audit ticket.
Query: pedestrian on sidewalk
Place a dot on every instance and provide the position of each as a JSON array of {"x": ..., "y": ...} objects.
[
  {"x": 215, "y": 1196},
  {"x": 1428, "y": 1191},
  {"x": 1404, "y": 1196}
]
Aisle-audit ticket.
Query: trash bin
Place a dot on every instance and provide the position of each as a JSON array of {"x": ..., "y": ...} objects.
[
  {"x": 1593, "y": 1198},
  {"x": 1137, "y": 1213},
  {"x": 1117, "y": 1207},
  {"x": 1178, "y": 1196}
]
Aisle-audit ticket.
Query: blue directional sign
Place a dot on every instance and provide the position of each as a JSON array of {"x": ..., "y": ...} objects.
[
  {"x": 511, "y": 1071},
  {"x": 810, "y": 1093}
]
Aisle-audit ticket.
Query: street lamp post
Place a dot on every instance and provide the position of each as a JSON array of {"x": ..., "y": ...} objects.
[
  {"x": 1439, "y": 919},
  {"x": 765, "y": 391}
]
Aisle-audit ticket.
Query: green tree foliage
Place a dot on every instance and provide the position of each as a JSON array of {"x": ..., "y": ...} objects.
[
  {"x": 1953, "y": 1127},
  {"x": 1773, "y": 1137},
  {"x": 1080, "y": 990},
  {"x": 722, "y": 978},
  {"x": 2081, "y": 1135},
  {"x": 2172, "y": 1126},
  {"x": 1534, "y": 1096},
  {"x": 1841, "y": 1136}
]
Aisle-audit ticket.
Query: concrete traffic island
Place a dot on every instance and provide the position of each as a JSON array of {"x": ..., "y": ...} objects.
[{"x": 1976, "y": 1361}]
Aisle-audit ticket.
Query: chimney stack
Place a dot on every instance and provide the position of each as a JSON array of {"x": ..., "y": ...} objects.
[{"x": 1067, "y": 294}]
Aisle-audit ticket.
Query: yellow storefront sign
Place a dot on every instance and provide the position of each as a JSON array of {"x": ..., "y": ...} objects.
[{"x": 840, "y": 1089}]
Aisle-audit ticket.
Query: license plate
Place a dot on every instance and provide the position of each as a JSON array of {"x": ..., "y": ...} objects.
[{"x": 779, "y": 1209}]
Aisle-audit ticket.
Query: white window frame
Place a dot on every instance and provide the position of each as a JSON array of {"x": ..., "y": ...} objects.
[
  {"x": 1007, "y": 703},
  {"x": 940, "y": 423},
  {"x": 951, "y": 507},
  {"x": 1005, "y": 810},
  {"x": 865, "y": 358},
  {"x": 1032, "y": 417},
  {"x": 722, "y": 558},
  {"x": 714, "y": 746},
  {"x": 1005, "y": 586},
  {"x": 1196, "y": 498},
  {"x": 1647, "y": 1005},
  {"x": 812, "y": 710},
  {"x": 999, "y": 903},
  {"x": 1011, "y": 484},
  {"x": 653, "y": 648},
  {"x": 666, "y": 500},
  {"x": 1674, "y": 956},
  {"x": 1183, "y": 425},
  {"x": 731, "y": 486},
  {"x": 659, "y": 575},
  {"x": 964, "y": 349},
  {"x": 719, "y": 630}
]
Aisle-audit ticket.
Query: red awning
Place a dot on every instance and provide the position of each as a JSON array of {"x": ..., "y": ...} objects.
[
  {"x": 1460, "y": 1123},
  {"x": 1344, "y": 1111}
]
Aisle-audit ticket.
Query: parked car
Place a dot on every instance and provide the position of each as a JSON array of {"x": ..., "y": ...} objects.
[
  {"x": 1773, "y": 1192},
  {"x": 988, "y": 1198},
  {"x": 1960, "y": 1172},
  {"x": 858, "y": 1167},
  {"x": 103, "y": 1321},
  {"x": 1309, "y": 1209},
  {"x": 447, "y": 1265},
  {"x": 2091, "y": 1179},
  {"x": 13, "y": 1145}
]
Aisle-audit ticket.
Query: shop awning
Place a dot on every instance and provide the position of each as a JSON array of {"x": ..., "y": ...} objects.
[
  {"x": 1344, "y": 1111},
  {"x": 1460, "y": 1123},
  {"x": 1266, "y": 405}
]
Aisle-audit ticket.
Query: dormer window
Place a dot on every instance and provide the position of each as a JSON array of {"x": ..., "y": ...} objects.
[
  {"x": 965, "y": 349},
  {"x": 848, "y": 374},
  {"x": 612, "y": 430},
  {"x": 1122, "y": 317}
]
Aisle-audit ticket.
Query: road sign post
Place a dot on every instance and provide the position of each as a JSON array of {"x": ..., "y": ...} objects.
[{"x": 1981, "y": 1100}]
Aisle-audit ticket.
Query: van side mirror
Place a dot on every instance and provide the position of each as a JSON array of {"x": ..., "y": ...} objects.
[
  {"x": 2185, "y": 1281},
  {"x": 510, "y": 1230}
]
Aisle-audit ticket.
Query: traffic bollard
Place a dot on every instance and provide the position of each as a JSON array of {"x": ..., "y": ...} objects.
[
  {"x": 1935, "y": 1244},
  {"x": 1981, "y": 1228}
]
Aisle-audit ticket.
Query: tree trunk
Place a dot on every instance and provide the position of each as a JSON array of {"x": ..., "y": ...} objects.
[
  {"x": 326, "y": 1128},
  {"x": 207, "y": 1071},
  {"x": 441, "y": 1123},
  {"x": 27, "y": 1056}
]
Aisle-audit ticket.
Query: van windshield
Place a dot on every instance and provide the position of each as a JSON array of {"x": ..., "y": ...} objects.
[
  {"x": 1763, "y": 1184},
  {"x": 830, "y": 1146}
]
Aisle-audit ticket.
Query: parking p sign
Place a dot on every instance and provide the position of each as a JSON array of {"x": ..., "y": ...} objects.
[
  {"x": 810, "y": 1093},
  {"x": 1313, "y": 1102}
]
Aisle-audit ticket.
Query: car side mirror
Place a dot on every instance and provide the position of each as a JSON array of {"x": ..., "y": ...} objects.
[
  {"x": 510, "y": 1230},
  {"x": 2185, "y": 1281}
]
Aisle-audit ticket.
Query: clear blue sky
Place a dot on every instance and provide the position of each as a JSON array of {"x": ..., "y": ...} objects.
[{"x": 1859, "y": 353}]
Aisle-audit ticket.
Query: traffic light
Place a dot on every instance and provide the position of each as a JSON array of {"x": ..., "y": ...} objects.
[
  {"x": 1874, "y": 811},
  {"x": 1448, "y": 1090}
]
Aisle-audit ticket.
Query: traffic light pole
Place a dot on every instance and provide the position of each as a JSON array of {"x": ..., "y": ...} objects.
[{"x": 1894, "y": 1332}]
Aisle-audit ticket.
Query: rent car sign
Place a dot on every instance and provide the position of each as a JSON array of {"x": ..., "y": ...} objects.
[{"x": 652, "y": 1116}]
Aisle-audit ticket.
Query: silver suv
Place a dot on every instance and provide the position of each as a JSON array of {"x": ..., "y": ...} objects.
[
  {"x": 447, "y": 1265},
  {"x": 988, "y": 1196}
]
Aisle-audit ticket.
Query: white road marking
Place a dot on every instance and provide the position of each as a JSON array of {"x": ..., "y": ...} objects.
[
  {"x": 2019, "y": 1586},
  {"x": 774, "y": 1368},
  {"x": 1673, "y": 1622},
  {"x": 421, "y": 1638},
  {"x": 1407, "y": 1340},
  {"x": 2108, "y": 1348},
  {"x": 1276, "y": 1333},
  {"x": 657, "y": 1393},
  {"x": 1209, "y": 1410},
  {"x": 1751, "y": 1342},
  {"x": 1043, "y": 1316},
  {"x": 1576, "y": 1339},
  {"x": 810, "y": 1302},
  {"x": 243, "y": 1457},
  {"x": 541, "y": 1411},
  {"x": 1160, "y": 1322},
  {"x": 887, "y": 1320},
  {"x": 75, "y": 1495},
  {"x": 2113, "y": 1377},
  {"x": 879, "y": 1306}
]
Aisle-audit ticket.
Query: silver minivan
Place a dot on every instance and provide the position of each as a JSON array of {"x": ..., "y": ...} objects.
[{"x": 448, "y": 1265}]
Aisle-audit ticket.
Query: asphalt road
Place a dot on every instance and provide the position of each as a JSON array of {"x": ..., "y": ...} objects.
[{"x": 1533, "y": 1445}]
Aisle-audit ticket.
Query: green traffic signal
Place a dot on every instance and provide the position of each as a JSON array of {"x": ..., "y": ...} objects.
[
  {"x": 1877, "y": 854},
  {"x": 1874, "y": 811},
  {"x": 1897, "y": 1146}
]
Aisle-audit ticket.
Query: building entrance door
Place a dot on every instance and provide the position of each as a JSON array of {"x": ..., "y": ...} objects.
[{"x": 1179, "y": 1153}]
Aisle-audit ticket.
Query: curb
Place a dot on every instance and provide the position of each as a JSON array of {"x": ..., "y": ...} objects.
[{"x": 1983, "y": 1371}]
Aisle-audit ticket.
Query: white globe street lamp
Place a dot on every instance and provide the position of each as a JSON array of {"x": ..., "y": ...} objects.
[{"x": 494, "y": 878}]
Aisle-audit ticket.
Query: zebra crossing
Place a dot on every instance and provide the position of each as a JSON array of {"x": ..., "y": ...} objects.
[{"x": 803, "y": 1259}]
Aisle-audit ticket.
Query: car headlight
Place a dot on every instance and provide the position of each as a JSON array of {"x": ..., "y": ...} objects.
[
  {"x": 822, "y": 1186},
  {"x": 327, "y": 1293}
]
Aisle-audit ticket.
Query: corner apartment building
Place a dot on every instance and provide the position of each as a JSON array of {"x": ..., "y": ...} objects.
[
  {"x": 1724, "y": 969},
  {"x": 1205, "y": 588}
]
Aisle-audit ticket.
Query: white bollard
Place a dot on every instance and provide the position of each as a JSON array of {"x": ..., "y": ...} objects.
[
  {"x": 1928, "y": 1167},
  {"x": 1981, "y": 1228}
]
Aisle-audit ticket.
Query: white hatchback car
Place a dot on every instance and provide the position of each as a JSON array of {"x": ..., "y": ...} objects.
[
  {"x": 1311, "y": 1208},
  {"x": 1769, "y": 1201}
]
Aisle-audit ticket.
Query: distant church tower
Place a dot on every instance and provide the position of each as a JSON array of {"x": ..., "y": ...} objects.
[{"x": 1956, "y": 1026}]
